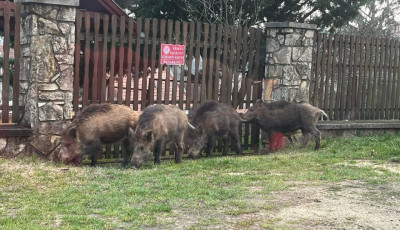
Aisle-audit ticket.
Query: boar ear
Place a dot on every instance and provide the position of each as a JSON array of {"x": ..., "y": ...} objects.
[
  {"x": 148, "y": 135},
  {"x": 259, "y": 103}
]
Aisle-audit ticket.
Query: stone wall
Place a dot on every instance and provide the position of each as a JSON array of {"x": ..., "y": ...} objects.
[
  {"x": 288, "y": 61},
  {"x": 47, "y": 58}
]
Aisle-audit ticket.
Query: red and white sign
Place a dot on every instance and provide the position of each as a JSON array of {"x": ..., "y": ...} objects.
[{"x": 172, "y": 54}]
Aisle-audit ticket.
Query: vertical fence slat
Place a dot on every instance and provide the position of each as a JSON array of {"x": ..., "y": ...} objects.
[
  {"x": 375, "y": 91},
  {"x": 396, "y": 77},
  {"x": 78, "y": 24},
  {"x": 85, "y": 98},
  {"x": 353, "y": 86},
  {"x": 333, "y": 77},
  {"x": 384, "y": 80},
  {"x": 243, "y": 67},
  {"x": 182, "y": 77},
  {"x": 381, "y": 75},
  {"x": 129, "y": 63},
  {"x": 190, "y": 63},
  {"x": 137, "y": 64},
  {"x": 112, "y": 58},
  {"x": 323, "y": 69},
  {"x": 167, "y": 80},
  {"x": 204, "y": 73},
  {"x": 153, "y": 59},
  {"x": 145, "y": 62},
  {"x": 370, "y": 79},
  {"x": 360, "y": 78},
  {"x": 339, "y": 77},
  {"x": 17, "y": 55},
  {"x": 211, "y": 76},
  {"x": 237, "y": 68},
  {"x": 121, "y": 59},
  {"x": 218, "y": 62},
  {"x": 197, "y": 66},
  {"x": 160, "y": 66},
  {"x": 317, "y": 75},
  {"x": 103, "y": 93},
  {"x": 175, "y": 79},
  {"x": 328, "y": 74},
  {"x": 388, "y": 101},
  {"x": 366, "y": 74},
  {"x": 95, "y": 57},
  {"x": 397, "y": 114},
  {"x": 6, "y": 70},
  {"x": 223, "y": 85},
  {"x": 230, "y": 67}
]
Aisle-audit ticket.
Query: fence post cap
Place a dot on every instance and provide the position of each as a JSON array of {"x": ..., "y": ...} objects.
[
  {"x": 52, "y": 2},
  {"x": 290, "y": 25}
]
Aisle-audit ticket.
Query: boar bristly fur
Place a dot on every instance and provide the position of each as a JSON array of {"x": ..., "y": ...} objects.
[
  {"x": 213, "y": 120},
  {"x": 286, "y": 117},
  {"x": 96, "y": 125},
  {"x": 157, "y": 126}
]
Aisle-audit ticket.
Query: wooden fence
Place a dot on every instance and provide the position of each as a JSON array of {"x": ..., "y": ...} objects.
[
  {"x": 117, "y": 61},
  {"x": 10, "y": 20},
  {"x": 356, "y": 78}
]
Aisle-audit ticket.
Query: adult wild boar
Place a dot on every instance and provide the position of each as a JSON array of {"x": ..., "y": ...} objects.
[
  {"x": 213, "y": 120},
  {"x": 286, "y": 117},
  {"x": 96, "y": 125},
  {"x": 157, "y": 126}
]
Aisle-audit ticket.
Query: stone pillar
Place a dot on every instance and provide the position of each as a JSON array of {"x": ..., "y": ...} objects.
[
  {"x": 47, "y": 58},
  {"x": 289, "y": 61}
]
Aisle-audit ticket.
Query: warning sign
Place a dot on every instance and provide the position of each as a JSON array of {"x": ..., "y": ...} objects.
[{"x": 172, "y": 54}]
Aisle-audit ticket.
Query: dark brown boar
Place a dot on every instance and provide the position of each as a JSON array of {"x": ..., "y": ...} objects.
[
  {"x": 286, "y": 117},
  {"x": 157, "y": 126},
  {"x": 213, "y": 120},
  {"x": 96, "y": 125}
]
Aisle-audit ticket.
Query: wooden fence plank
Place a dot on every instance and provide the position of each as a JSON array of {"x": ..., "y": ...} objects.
[
  {"x": 112, "y": 58},
  {"x": 353, "y": 85},
  {"x": 160, "y": 65},
  {"x": 361, "y": 76},
  {"x": 328, "y": 74},
  {"x": 389, "y": 109},
  {"x": 167, "y": 80},
  {"x": 211, "y": 75},
  {"x": 121, "y": 59},
  {"x": 223, "y": 86},
  {"x": 106, "y": 21},
  {"x": 95, "y": 58},
  {"x": 243, "y": 67},
  {"x": 182, "y": 77},
  {"x": 190, "y": 63},
  {"x": 197, "y": 70},
  {"x": 129, "y": 63},
  {"x": 323, "y": 69},
  {"x": 17, "y": 55},
  {"x": 153, "y": 59},
  {"x": 317, "y": 74},
  {"x": 381, "y": 79},
  {"x": 137, "y": 64},
  {"x": 145, "y": 62},
  {"x": 339, "y": 78},
  {"x": 237, "y": 68},
  {"x": 396, "y": 76},
  {"x": 334, "y": 79},
  {"x": 383, "y": 115},
  {"x": 85, "y": 98},
  {"x": 204, "y": 73},
  {"x": 230, "y": 67},
  {"x": 370, "y": 79},
  {"x": 217, "y": 64},
  {"x": 6, "y": 70},
  {"x": 375, "y": 91},
  {"x": 78, "y": 24},
  {"x": 366, "y": 79},
  {"x": 175, "y": 79}
]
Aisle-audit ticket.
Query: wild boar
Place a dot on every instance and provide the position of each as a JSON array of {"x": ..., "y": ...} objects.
[
  {"x": 157, "y": 126},
  {"x": 213, "y": 120},
  {"x": 96, "y": 125},
  {"x": 286, "y": 117}
]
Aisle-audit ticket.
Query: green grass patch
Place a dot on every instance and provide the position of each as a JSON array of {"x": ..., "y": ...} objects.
[{"x": 196, "y": 193}]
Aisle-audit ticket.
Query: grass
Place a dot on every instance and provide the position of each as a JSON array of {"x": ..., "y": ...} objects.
[{"x": 196, "y": 194}]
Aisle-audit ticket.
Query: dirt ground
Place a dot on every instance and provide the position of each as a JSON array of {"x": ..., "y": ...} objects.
[{"x": 344, "y": 205}]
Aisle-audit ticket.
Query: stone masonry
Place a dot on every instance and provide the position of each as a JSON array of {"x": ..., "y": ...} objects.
[
  {"x": 288, "y": 61},
  {"x": 47, "y": 58}
]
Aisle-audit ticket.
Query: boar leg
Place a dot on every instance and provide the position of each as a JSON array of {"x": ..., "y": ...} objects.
[
  {"x": 317, "y": 134},
  {"x": 160, "y": 147},
  {"x": 128, "y": 152},
  {"x": 225, "y": 139},
  {"x": 93, "y": 150},
  {"x": 306, "y": 138},
  {"x": 236, "y": 138},
  {"x": 210, "y": 145},
  {"x": 179, "y": 151}
]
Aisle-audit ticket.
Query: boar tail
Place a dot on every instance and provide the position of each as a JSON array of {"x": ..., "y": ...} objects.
[
  {"x": 323, "y": 114},
  {"x": 191, "y": 126}
]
